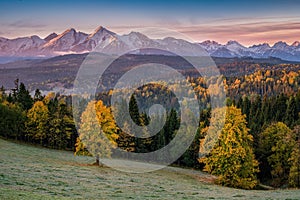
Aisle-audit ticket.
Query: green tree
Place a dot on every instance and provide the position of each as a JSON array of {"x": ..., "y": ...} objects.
[
  {"x": 125, "y": 140},
  {"x": 134, "y": 110},
  {"x": 281, "y": 107},
  {"x": 61, "y": 127},
  {"x": 38, "y": 95},
  {"x": 12, "y": 121},
  {"x": 291, "y": 112},
  {"x": 190, "y": 157},
  {"x": 232, "y": 158},
  {"x": 15, "y": 90},
  {"x": 294, "y": 175},
  {"x": 24, "y": 98},
  {"x": 2, "y": 94},
  {"x": 275, "y": 148}
]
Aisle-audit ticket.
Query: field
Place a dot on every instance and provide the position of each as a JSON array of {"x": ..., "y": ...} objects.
[{"x": 28, "y": 172}]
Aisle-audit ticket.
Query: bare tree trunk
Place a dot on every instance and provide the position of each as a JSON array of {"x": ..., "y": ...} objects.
[{"x": 97, "y": 163}]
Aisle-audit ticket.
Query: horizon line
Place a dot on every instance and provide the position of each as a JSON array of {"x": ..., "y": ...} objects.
[{"x": 271, "y": 44}]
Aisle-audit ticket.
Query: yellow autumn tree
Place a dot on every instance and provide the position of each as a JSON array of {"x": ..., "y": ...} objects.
[
  {"x": 97, "y": 132},
  {"x": 232, "y": 158},
  {"x": 38, "y": 122}
]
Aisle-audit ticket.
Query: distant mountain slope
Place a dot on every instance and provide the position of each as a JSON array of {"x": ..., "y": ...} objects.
[
  {"x": 234, "y": 49},
  {"x": 105, "y": 41},
  {"x": 60, "y": 71}
]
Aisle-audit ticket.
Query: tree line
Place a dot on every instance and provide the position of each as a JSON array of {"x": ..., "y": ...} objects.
[
  {"x": 44, "y": 120},
  {"x": 259, "y": 142}
]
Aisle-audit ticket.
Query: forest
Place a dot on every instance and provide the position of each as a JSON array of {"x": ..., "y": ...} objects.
[{"x": 259, "y": 143}]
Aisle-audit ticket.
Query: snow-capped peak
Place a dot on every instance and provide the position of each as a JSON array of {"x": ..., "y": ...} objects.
[
  {"x": 259, "y": 49},
  {"x": 135, "y": 40},
  {"x": 210, "y": 46},
  {"x": 35, "y": 38},
  {"x": 99, "y": 28},
  {"x": 66, "y": 33},
  {"x": 105, "y": 41},
  {"x": 209, "y": 42},
  {"x": 280, "y": 45},
  {"x": 70, "y": 30},
  {"x": 50, "y": 37},
  {"x": 296, "y": 44},
  {"x": 234, "y": 43},
  {"x": 136, "y": 36},
  {"x": 65, "y": 41},
  {"x": 236, "y": 47},
  {"x": 100, "y": 31},
  {"x": 265, "y": 45}
]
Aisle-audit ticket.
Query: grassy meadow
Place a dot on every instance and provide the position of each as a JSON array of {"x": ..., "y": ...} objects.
[{"x": 28, "y": 172}]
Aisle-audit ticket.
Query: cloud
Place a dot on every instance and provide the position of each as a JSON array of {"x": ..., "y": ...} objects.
[
  {"x": 25, "y": 24},
  {"x": 5, "y": 33},
  {"x": 238, "y": 20},
  {"x": 247, "y": 30},
  {"x": 169, "y": 21},
  {"x": 264, "y": 31},
  {"x": 126, "y": 28},
  {"x": 240, "y": 29}
]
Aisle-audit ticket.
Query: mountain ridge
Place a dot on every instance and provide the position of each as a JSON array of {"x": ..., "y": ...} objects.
[{"x": 106, "y": 41}]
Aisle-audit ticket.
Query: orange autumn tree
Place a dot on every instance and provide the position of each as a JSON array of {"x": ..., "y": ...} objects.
[{"x": 97, "y": 132}]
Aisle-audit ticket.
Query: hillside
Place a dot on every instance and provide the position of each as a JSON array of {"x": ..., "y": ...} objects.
[
  {"x": 28, "y": 172},
  {"x": 58, "y": 73}
]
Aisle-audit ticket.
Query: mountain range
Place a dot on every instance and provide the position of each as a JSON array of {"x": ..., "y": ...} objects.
[{"x": 105, "y": 41}]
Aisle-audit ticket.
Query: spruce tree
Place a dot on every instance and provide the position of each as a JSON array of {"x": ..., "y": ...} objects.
[
  {"x": 134, "y": 111},
  {"x": 24, "y": 98},
  {"x": 291, "y": 114}
]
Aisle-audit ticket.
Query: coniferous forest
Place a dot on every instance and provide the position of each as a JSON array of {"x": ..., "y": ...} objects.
[{"x": 259, "y": 143}]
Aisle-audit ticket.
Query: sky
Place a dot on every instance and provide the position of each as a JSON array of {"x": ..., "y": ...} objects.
[{"x": 249, "y": 22}]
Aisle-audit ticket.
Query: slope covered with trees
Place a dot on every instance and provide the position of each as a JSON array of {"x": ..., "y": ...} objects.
[{"x": 259, "y": 142}]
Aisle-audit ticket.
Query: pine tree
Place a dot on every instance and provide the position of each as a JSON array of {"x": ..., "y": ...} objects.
[
  {"x": 23, "y": 97},
  {"x": 2, "y": 94},
  {"x": 171, "y": 125},
  {"x": 246, "y": 106},
  {"x": 291, "y": 112},
  {"x": 125, "y": 140},
  {"x": 255, "y": 118},
  {"x": 134, "y": 111},
  {"x": 38, "y": 95},
  {"x": 15, "y": 90},
  {"x": 61, "y": 127},
  {"x": 136, "y": 118},
  {"x": 12, "y": 120},
  {"x": 232, "y": 159},
  {"x": 190, "y": 157},
  {"x": 281, "y": 107}
]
